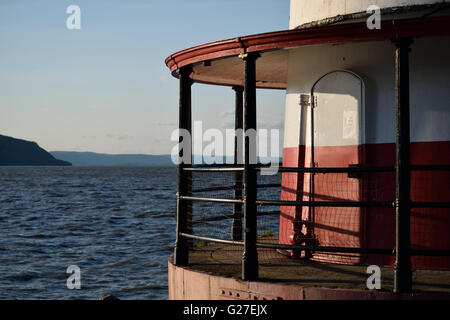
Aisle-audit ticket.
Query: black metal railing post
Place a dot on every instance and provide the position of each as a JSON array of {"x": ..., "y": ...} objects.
[
  {"x": 181, "y": 252},
  {"x": 250, "y": 254},
  {"x": 236, "y": 226},
  {"x": 402, "y": 266}
]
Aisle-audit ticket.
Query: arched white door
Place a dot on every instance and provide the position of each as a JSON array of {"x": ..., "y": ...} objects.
[
  {"x": 338, "y": 117},
  {"x": 337, "y": 133}
]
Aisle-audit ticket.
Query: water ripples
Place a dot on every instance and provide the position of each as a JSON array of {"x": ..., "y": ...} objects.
[{"x": 116, "y": 224}]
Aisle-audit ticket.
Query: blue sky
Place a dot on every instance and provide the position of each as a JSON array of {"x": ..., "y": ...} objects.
[{"x": 105, "y": 88}]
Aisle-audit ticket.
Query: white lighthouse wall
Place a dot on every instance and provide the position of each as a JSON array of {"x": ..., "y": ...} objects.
[
  {"x": 304, "y": 11},
  {"x": 374, "y": 62}
]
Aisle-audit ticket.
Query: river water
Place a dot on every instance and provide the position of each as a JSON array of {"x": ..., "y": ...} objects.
[{"x": 116, "y": 224}]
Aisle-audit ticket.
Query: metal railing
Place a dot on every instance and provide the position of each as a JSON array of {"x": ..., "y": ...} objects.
[{"x": 250, "y": 261}]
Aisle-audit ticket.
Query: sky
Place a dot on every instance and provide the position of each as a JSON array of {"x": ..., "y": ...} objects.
[{"x": 105, "y": 88}]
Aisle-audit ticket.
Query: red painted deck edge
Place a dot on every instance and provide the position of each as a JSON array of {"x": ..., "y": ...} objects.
[{"x": 189, "y": 284}]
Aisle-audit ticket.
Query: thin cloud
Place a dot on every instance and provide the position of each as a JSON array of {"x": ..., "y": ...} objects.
[
  {"x": 227, "y": 113},
  {"x": 270, "y": 125},
  {"x": 166, "y": 124},
  {"x": 119, "y": 137}
]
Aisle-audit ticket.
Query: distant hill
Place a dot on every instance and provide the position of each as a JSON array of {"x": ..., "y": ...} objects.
[
  {"x": 92, "y": 159},
  {"x": 99, "y": 159},
  {"x": 17, "y": 152}
]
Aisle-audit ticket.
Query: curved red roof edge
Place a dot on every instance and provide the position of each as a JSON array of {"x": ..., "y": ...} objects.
[{"x": 390, "y": 29}]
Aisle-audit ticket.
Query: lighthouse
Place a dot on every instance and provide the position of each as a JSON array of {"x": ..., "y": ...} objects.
[
  {"x": 365, "y": 175},
  {"x": 341, "y": 112}
]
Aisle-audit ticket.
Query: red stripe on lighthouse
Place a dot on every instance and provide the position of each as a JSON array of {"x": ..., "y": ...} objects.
[{"x": 369, "y": 227}]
